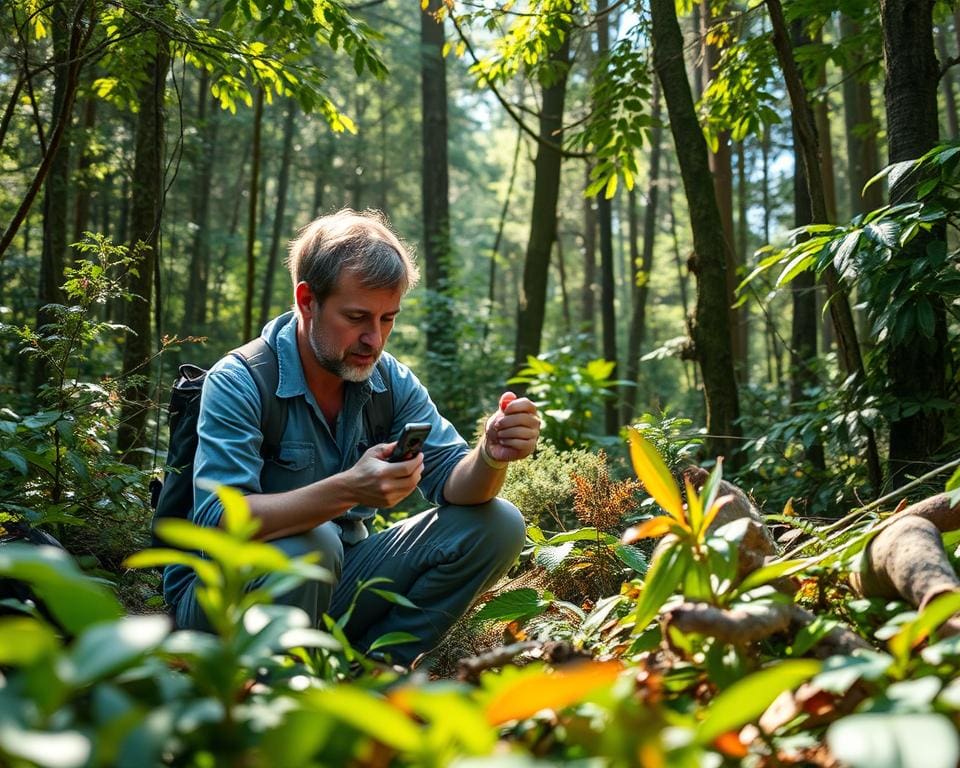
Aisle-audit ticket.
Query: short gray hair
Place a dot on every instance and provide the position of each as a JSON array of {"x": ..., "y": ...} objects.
[{"x": 363, "y": 244}]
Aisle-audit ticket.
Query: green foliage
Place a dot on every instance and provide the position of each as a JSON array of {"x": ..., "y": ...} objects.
[
  {"x": 58, "y": 468},
  {"x": 542, "y": 486},
  {"x": 570, "y": 394}
]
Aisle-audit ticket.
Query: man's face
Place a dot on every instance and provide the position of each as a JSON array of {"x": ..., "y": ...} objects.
[{"x": 349, "y": 331}]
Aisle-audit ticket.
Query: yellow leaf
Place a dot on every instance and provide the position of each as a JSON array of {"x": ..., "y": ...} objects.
[
  {"x": 648, "y": 529},
  {"x": 694, "y": 507},
  {"x": 655, "y": 476},
  {"x": 714, "y": 508},
  {"x": 550, "y": 690},
  {"x": 611, "y": 187},
  {"x": 788, "y": 508}
]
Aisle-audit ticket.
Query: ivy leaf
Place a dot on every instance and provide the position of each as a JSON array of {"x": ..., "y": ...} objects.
[{"x": 514, "y": 605}]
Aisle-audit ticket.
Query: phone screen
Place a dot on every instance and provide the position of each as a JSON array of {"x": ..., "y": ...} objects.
[{"x": 410, "y": 442}]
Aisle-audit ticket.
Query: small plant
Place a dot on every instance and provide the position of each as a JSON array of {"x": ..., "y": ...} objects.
[{"x": 570, "y": 395}]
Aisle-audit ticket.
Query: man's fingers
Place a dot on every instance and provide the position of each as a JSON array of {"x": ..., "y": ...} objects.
[{"x": 520, "y": 405}]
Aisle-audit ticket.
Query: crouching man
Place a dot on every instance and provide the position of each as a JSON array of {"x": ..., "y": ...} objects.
[{"x": 350, "y": 273}]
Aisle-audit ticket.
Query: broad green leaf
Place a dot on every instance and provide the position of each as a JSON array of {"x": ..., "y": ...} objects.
[
  {"x": 154, "y": 558},
  {"x": 768, "y": 573},
  {"x": 887, "y": 740},
  {"x": 367, "y": 713},
  {"x": 839, "y": 673},
  {"x": 747, "y": 699},
  {"x": 107, "y": 648},
  {"x": 549, "y": 689},
  {"x": 513, "y": 605},
  {"x": 633, "y": 557},
  {"x": 938, "y": 611},
  {"x": 50, "y": 749},
  {"x": 582, "y": 534},
  {"x": 654, "y": 475},
  {"x": 661, "y": 581},
  {"x": 74, "y": 599},
  {"x": 17, "y": 460},
  {"x": 552, "y": 558},
  {"x": 799, "y": 263},
  {"x": 24, "y": 640}
]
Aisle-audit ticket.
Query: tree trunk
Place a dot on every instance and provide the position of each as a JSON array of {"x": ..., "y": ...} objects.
[
  {"x": 531, "y": 303},
  {"x": 84, "y": 184},
  {"x": 711, "y": 327},
  {"x": 640, "y": 272},
  {"x": 721, "y": 166},
  {"x": 279, "y": 217},
  {"x": 195, "y": 305},
  {"x": 441, "y": 335},
  {"x": 917, "y": 367},
  {"x": 588, "y": 302},
  {"x": 949, "y": 96},
  {"x": 806, "y": 134},
  {"x": 252, "y": 215},
  {"x": 147, "y": 200}
]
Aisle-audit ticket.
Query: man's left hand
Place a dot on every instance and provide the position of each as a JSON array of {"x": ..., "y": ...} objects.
[{"x": 512, "y": 432}]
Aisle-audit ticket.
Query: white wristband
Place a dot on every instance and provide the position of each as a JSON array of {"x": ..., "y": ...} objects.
[{"x": 488, "y": 459}]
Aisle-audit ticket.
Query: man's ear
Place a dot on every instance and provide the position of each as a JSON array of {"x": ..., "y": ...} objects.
[{"x": 303, "y": 296}]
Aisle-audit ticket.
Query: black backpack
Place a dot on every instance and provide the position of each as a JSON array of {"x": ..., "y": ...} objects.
[{"x": 174, "y": 496}]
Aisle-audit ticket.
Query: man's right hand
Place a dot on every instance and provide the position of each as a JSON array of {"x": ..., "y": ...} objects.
[{"x": 377, "y": 482}]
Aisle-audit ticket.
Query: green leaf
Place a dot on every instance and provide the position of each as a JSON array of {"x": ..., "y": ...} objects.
[
  {"x": 513, "y": 605},
  {"x": 393, "y": 638},
  {"x": 632, "y": 557},
  {"x": 881, "y": 740},
  {"x": 552, "y": 558},
  {"x": 367, "y": 713},
  {"x": 841, "y": 672},
  {"x": 661, "y": 581},
  {"x": 938, "y": 611},
  {"x": 105, "y": 649},
  {"x": 394, "y": 597},
  {"x": 747, "y": 699},
  {"x": 24, "y": 640},
  {"x": 75, "y": 600},
  {"x": 768, "y": 573},
  {"x": 17, "y": 460}
]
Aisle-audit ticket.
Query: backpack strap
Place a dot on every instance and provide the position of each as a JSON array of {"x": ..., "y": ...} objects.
[
  {"x": 261, "y": 360},
  {"x": 378, "y": 412}
]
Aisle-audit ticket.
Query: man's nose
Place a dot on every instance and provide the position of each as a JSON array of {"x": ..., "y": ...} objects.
[{"x": 372, "y": 337}]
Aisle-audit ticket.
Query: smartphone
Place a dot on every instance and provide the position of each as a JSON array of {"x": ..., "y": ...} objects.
[{"x": 411, "y": 441}]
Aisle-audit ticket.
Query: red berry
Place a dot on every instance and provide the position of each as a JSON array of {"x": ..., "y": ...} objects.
[{"x": 505, "y": 399}]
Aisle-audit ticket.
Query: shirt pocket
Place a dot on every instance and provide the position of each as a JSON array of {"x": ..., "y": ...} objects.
[{"x": 293, "y": 466}]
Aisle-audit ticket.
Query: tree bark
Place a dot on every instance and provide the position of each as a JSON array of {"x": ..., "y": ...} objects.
[
  {"x": 949, "y": 96},
  {"x": 531, "y": 304},
  {"x": 195, "y": 305},
  {"x": 147, "y": 201},
  {"x": 640, "y": 272},
  {"x": 256, "y": 155},
  {"x": 588, "y": 295},
  {"x": 279, "y": 217},
  {"x": 711, "y": 327},
  {"x": 806, "y": 134},
  {"x": 917, "y": 367},
  {"x": 441, "y": 336}
]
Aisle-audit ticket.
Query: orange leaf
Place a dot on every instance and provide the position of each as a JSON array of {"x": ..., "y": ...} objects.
[
  {"x": 730, "y": 745},
  {"x": 550, "y": 690},
  {"x": 655, "y": 476},
  {"x": 712, "y": 512},
  {"x": 648, "y": 529}
]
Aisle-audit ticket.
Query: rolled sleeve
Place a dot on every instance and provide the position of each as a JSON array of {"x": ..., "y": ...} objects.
[{"x": 229, "y": 438}]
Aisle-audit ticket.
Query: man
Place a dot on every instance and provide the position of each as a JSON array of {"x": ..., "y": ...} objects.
[{"x": 350, "y": 272}]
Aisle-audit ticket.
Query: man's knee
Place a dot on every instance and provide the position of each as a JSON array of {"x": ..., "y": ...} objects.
[
  {"x": 324, "y": 540},
  {"x": 499, "y": 527}
]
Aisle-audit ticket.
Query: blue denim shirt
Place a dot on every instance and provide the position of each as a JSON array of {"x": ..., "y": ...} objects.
[{"x": 228, "y": 450}]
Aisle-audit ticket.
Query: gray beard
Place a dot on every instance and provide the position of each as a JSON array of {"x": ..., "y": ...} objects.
[{"x": 338, "y": 366}]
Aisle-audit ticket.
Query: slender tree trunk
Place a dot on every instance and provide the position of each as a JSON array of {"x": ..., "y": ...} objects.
[
  {"x": 564, "y": 295},
  {"x": 441, "y": 335},
  {"x": 916, "y": 366},
  {"x": 84, "y": 184},
  {"x": 195, "y": 305},
  {"x": 711, "y": 327},
  {"x": 807, "y": 135},
  {"x": 232, "y": 228},
  {"x": 640, "y": 272},
  {"x": 588, "y": 295},
  {"x": 252, "y": 215},
  {"x": 949, "y": 96},
  {"x": 279, "y": 217},
  {"x": 147, "y": 203},
  {"x": 495, "y": 248},
  {"x": 543, "y": 218},
  {"x": 681, "y": 273},
  {"x": 721, "y": 166}
]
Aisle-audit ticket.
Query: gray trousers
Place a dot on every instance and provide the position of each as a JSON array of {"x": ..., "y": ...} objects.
[{"x": 441, "y": 560}]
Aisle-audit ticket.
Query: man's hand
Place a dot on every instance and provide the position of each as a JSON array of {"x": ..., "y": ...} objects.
[
  {"x": 512, "y": 432},
  {"x": 377, "y": 482}
]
